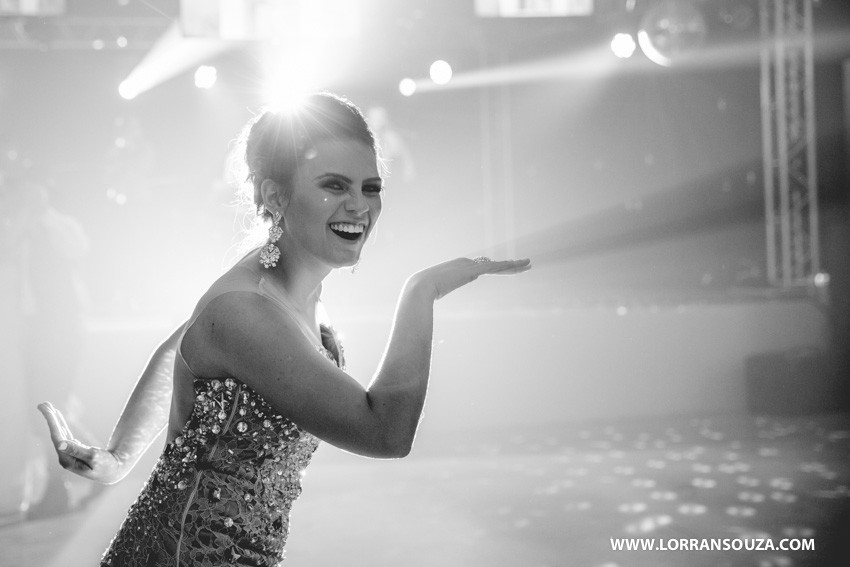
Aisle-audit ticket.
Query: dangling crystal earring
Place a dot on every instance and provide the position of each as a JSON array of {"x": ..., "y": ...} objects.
[{"x": 270, "y": 254}]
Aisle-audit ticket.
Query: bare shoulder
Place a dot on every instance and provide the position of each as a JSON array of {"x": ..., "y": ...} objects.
[
  {"x": 223, "y": 293},
  {"x": 227, "y": 315},
  {"x": 237, "y": 315},
  {"x": 238, "y": 324}
]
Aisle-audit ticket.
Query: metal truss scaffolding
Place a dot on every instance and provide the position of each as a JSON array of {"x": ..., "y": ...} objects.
[
  {"x": 80, "y": 33},
  {"x": 788, "y": 141}
]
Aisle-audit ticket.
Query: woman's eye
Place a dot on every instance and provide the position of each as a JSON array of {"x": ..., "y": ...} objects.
[
  {"x": 335, "y": 185},
  {"x": 373, "y": 189}
]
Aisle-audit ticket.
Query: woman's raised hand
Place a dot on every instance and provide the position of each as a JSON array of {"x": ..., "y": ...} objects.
[
  {"x": 89, "y": 462},
  {"x": 446, "y": 277}
]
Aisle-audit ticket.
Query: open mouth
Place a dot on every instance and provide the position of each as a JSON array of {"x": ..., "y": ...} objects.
[{"x": 348, "y": 231}]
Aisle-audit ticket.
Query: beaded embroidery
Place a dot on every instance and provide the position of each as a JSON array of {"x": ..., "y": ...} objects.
[{"x": 222, "y": 491}]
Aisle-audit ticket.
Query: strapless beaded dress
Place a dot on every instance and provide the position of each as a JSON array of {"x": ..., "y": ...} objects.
[{"x": 222, "y": 490}]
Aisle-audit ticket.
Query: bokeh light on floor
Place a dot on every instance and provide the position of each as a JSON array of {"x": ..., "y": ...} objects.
[{"x": 544, "y": 497}]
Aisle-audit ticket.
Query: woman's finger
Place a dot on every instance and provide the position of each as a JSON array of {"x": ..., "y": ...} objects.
[
  {"x": 505, "y": 266},
  {"x": 60, "y": 417},
  {"x": 515, "y": 268},
  {"x": 57, "y": 432}
]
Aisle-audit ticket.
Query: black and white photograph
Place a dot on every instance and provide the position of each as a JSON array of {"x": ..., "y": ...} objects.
[{"x": 425, "y": 283}]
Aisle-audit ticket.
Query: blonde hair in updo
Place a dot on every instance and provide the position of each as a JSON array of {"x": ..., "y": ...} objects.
[{"x": 275, "y": 142}]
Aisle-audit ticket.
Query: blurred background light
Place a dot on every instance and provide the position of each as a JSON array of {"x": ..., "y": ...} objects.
[
  {"x": 407, "y": 86},
  {"x": 172, "y": 54},
  {"x": 587, "y": 63},
  {"x": 205, "y": 76},
  {"x": 623, "y": 45},
  {"x": 440, "y": 72},
  {"x": 821, "y": 279},
  {"x": 128, "y": 90}
]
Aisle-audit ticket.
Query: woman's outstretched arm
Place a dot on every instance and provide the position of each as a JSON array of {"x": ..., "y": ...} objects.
[
  {"x": 143, "y": 418},
  {"x": 243, "y": 336}
]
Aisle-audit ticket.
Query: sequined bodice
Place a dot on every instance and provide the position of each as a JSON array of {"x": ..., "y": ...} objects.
[{"x": 222, "y": 490}]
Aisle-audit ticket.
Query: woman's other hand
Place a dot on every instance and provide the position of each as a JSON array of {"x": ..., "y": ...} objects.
[
  {"x": 89, "y": 462},
  {"x": 442, "y": 279}
]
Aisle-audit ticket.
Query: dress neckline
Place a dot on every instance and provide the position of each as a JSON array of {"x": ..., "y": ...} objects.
[{"x": 327, "y": 334}]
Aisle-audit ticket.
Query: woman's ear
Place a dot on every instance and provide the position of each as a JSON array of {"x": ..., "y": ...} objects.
[{"x": 272, "y": 194}]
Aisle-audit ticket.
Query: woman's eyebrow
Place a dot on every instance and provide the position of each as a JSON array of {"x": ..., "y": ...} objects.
[
  {"x": 339, "y": 176},
  {"x": 344, "y": 178}
]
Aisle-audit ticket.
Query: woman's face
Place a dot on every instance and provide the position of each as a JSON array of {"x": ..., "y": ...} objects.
[{"x": 333, "y": 203}]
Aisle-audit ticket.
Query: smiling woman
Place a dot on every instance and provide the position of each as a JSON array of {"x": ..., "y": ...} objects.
[
  {"x": 329, "y": 205},
  {"x": 251, "y": 383}
]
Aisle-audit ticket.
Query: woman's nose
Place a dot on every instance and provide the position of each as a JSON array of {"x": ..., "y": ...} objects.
[{"x": 356, "y": 203}]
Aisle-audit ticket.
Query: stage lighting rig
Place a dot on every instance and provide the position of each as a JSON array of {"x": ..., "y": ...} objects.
[{"x": 671, "y": 29}]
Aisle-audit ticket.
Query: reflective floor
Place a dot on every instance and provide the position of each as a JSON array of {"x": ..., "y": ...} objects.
[{"x": 542, "y": 497}]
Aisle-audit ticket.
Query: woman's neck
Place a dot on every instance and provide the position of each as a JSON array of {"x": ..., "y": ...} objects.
[{"x": 300, "y": 281}]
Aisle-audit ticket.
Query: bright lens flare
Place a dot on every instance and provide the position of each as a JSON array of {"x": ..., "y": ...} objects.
[
  {"x": 289, "y": 75},
  {"x": 205, "y": 77},
  {"x": 284, "y": 96},
  {"x": 623, "y": 45},
  {"x": 440, "y": 72}
]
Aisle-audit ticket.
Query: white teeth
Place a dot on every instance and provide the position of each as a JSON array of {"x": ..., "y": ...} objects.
[{"x": 346, "y": 227}]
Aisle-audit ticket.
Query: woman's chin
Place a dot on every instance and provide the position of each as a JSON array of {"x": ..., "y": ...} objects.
[
  {"x": 347, "y": 265},
  {"x": 349, "y": 261}
]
